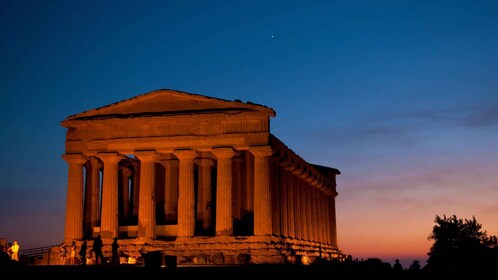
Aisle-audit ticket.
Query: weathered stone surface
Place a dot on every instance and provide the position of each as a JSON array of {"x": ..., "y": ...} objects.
[{"x": 200, "y": 180}]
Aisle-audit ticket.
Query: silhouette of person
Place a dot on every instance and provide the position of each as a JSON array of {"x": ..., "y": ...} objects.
[
  {"x": 97, "y": 248},
  {"x": 4, "y": 257},
  {"x": 82, "y": 253},
  {"x": 63, "y": 253},
  {"x": 73, "y": 253},
  {"x": 115, "y": 246},
  {"x": 15, "y": 251},
  {"x": 397, "y": 266},
  {"x": 9, "y": 250}
]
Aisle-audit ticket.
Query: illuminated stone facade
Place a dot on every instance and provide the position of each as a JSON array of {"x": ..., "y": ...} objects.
[{"x": 198, "y": 178}]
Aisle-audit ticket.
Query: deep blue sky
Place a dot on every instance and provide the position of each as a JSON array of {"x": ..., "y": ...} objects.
[{"x": 401, "y": 96}]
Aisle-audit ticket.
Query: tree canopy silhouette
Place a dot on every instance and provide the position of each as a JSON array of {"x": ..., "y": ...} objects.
[{"x": 461, "y": 244}]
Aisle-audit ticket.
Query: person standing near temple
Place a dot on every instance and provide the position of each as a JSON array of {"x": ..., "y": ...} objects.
[
  {"x": 73, "y": 253},
  {"x": 9, "y": 250},
  {"x": 115, "y": 246},
  {"x": 82, "y": 253},
  {"x": 97, "y": 248},
  {"x": 63, "y": 253},
  {"x": 15, "y": 251}
]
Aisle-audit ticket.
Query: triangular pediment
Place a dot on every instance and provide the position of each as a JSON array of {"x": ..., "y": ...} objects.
[{"x": 169, "y": 102}]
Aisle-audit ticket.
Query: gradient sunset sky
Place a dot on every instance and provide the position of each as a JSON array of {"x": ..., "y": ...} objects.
[{"x": 400, "y": 96}]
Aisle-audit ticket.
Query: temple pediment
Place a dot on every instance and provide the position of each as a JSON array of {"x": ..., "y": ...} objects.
[{"x": 169, "y": 102}]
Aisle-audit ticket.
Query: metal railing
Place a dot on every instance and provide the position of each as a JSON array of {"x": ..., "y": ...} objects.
[{"x": 35, "y": 252}]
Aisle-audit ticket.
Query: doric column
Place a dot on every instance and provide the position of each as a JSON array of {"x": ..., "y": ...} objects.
[
  {"x": 247, "y": 190},
  {"x": 124, "y": 192},
  {"x": 224, "y": 221},
  {"x": 109, "y": 223},
  {"x": 136, "y": 187},
  {"x": 92, "y": 194},
  {"x": 309, "y": 211},
  {"x": 147, "y": 207},
  {"x": 275, "y": 190},
  {"x": 320, "y": 216},
  {"x": 312, "y": 204},
  {"x": 332, "y": 220},
  {"x": 298, "y": 226},
  {"x": 236, "y": 188},
  {"x": 262, "y": 194},
  {"x": 291, "y": 222},
  {"x": 315, "y": 214},
  {"x": 304, "y": 209},
  {"x": 171, "y": 190},
  {"x": 186, "y": 198},
  {"x": 323, "y": 217},
  {"x": 328, "y": 233},
  {"x": 307, "y": 191},
  {"x": 204, "y": 193},
  {"x": 74, "y": 200},
  {"x": 283, "y": 201}
]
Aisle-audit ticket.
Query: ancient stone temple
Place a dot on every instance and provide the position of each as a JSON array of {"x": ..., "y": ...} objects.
[{"x": 195, "y": 178}]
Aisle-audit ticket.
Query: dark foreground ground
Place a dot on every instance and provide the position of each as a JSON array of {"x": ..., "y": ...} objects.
[{"x": 278, "y": 272}]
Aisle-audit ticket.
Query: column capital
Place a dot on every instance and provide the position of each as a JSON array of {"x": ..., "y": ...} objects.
[
  {"x": 204, "y": 162},
  {"x": 74, "y": 158},
  {"x": 261, "y": 151},
  {"x": 94, "y": 160},
  {"x": 223, "y": 153},
  {"x": 289, "y": 165},
  {"x": 110, "y": 157},
  {"x": 297, "y": 171},
  {"x": 185, "y": 154},
  {"x": 304, "y": 175},
  {"x": 310, "y": 179},
  {"x": 147, "y": 156}
]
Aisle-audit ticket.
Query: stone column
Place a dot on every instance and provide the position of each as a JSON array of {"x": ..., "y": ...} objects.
[
  {"x": 247, "y": 191},
  {"x": 315, "y": 210},
  {"x": 224, "y": 220},
  {"x": 304, "y": 210},
  {"x": 171, "y": 190},
  {"x": 124, "y": 193},
  {"x": 109, "y": 223},
  {"x": 308, "y": 201},
  {"x": 236, "y": 188},
  {"x": 291, "y": 222},
  {"x": 92, "y": 194},
  {"x": 307, "y": 191},
  {"x": 325, "y": 217},
  {"x": 147, "y": 207},
  {"x": 262, "y": 194},
  {"x": 332, "y": 220},
  {"x": 283, "y": 201},
  {"x": 311, "y": 205},
  {"x": 275, "y": 190},
  {"x": 327, "y": 232},
  {"x": 298, "y": 226},
  {"x": 186, "y": 199},
  {"x": 74, "y": 200},
  {"x": 136, "y": 188},
  {"x": 317, "y": 214},
  {"x": 204, "y": 193}
]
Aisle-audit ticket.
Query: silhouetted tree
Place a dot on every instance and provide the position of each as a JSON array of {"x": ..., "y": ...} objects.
[
  {"x": 415, "y": 266},
  {"x": 460, "y": 244}
]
